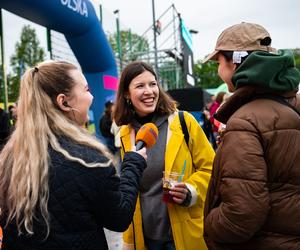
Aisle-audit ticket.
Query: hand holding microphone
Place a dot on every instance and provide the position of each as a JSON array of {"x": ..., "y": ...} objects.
[{"x": 145, "y": 138}]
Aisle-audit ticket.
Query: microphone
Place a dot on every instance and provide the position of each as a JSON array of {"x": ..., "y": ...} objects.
[{"x": 146, "y": 136}]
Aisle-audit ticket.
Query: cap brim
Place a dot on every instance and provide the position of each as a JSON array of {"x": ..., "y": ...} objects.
[{"x": 211, "y": 56}]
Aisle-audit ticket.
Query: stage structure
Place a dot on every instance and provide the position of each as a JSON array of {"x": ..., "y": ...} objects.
[{"x": 171, "y": 48}]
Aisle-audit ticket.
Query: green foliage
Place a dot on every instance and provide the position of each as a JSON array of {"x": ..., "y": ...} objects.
[
  {"x": 131, "y": 45},
  {"x": 171, "y": 75},
  {"x": 206, "y": 74},
  {"x": 297, "y": 58},
  {"x": 13, "y": 85},
  {"x": 1, "y": 87},
  {"x": 27, "y": 54}
]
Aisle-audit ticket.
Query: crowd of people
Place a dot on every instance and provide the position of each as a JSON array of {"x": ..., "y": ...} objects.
[
  {"x": 211, "y": 126},
  {"x": 60, "y": 188}
]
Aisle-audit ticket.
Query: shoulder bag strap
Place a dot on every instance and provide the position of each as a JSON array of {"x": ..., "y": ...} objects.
[{"x": 184, "y": 127}]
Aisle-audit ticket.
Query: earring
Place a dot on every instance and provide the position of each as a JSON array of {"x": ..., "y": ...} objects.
[
  {"x": 128, "y": 102},
  {"x": 130, "y": 106}
]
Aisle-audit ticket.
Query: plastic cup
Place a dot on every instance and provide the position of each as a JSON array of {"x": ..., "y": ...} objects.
[{"x": 169, "y": 181}]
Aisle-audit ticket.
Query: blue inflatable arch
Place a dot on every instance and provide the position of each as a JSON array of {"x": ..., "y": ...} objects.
[{"x": 77, "y": 20}]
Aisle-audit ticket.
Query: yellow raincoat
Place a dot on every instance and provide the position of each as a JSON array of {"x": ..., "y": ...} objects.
[{"x": 186, "y": 222}]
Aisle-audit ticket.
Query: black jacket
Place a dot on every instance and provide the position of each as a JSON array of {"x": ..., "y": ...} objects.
[
  {"x": 82, "y": 201},
  {"x": 105, "y": 126}
]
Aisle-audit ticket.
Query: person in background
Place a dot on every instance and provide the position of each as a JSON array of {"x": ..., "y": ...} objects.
[
  {"x": 10, "y": 108},
  {"x": 205, "y": 119},
  {"x": 215, "y": 105},
  {"x": 157, "y": 225},
  {"x": 4, "y": 127},
  {"x": 221, "y": 126},
  {"x": 58, "y": 185},
  {"x": 253, "y": 198},
  {"x": 213, "y": 108},
  {"x": 13, "y": 114},
  {"x": 105, "y": 126}
]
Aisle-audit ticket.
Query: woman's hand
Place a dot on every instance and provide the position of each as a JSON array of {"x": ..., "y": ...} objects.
[
  {"x": 141, "y": 152},
  {"x": 179, "y": 192}
]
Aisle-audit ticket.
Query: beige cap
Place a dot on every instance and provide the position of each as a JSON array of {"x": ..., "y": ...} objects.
[{"x": 241, "y": 37}]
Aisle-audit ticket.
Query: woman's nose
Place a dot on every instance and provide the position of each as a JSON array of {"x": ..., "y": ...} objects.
[{"x": 148, "y": 89}]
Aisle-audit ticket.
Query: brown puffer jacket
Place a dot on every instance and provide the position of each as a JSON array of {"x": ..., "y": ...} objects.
[{"x": 253, "y": 201}]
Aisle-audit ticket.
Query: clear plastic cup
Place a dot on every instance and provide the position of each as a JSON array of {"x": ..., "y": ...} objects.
[{"x": 169, "y": 180}]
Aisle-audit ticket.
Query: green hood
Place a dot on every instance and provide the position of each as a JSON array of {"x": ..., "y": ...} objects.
[{"x": 272, "y": 71}]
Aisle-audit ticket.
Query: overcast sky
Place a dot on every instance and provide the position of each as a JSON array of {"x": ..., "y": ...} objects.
[
  {"x": 208, "y": 17},
  {"x": 211, "y": 17}
]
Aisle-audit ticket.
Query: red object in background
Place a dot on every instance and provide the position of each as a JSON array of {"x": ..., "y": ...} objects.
[
  {"x": 158, "y": 27},
  {"x": 214, "y": 107},
  {"x": 1, "y": 237},
  {"x": 217, "y": 124}
]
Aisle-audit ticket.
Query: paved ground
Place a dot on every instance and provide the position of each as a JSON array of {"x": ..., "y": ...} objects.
[{"x": 114, "y": 240}]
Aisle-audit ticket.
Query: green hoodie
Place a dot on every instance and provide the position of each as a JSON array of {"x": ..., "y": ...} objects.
[{"x": 272, "y": 71}]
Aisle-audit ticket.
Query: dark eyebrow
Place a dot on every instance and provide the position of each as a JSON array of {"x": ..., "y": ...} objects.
[{"x": 137, "y": 83}]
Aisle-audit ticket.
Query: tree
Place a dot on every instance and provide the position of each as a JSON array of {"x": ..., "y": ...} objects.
[
  {"x": 131, "y": 45},
  {"x": 206, "y": 74},
  {"x": 1, "y": 86},
  {"x": 170, "y": 74},
  {"x": 27, "y": 54},
  {"x": 297, "y": 57}
]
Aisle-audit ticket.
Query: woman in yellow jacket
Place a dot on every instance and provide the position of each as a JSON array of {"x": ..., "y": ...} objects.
[{"x": 159, "y": 225}]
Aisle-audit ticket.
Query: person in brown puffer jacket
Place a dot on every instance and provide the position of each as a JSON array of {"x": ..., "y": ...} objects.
[{"x": 253, "y": 198}]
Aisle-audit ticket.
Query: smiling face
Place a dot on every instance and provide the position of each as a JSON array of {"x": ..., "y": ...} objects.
[
  {"x": 143, "y": 93},
  {"x": 80, "y": 98}
]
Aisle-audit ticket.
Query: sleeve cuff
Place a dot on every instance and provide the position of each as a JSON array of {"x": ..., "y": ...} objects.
[{"x": 193, "y": 193}]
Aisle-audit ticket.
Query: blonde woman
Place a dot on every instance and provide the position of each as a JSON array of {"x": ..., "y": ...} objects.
[{"x": 58, "y": 185}]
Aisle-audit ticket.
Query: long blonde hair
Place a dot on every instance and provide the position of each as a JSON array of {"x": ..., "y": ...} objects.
[{"x": 24, "y": 161}]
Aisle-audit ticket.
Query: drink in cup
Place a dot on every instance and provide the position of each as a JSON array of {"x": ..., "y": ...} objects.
[{"x": 169, "y": 180}]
